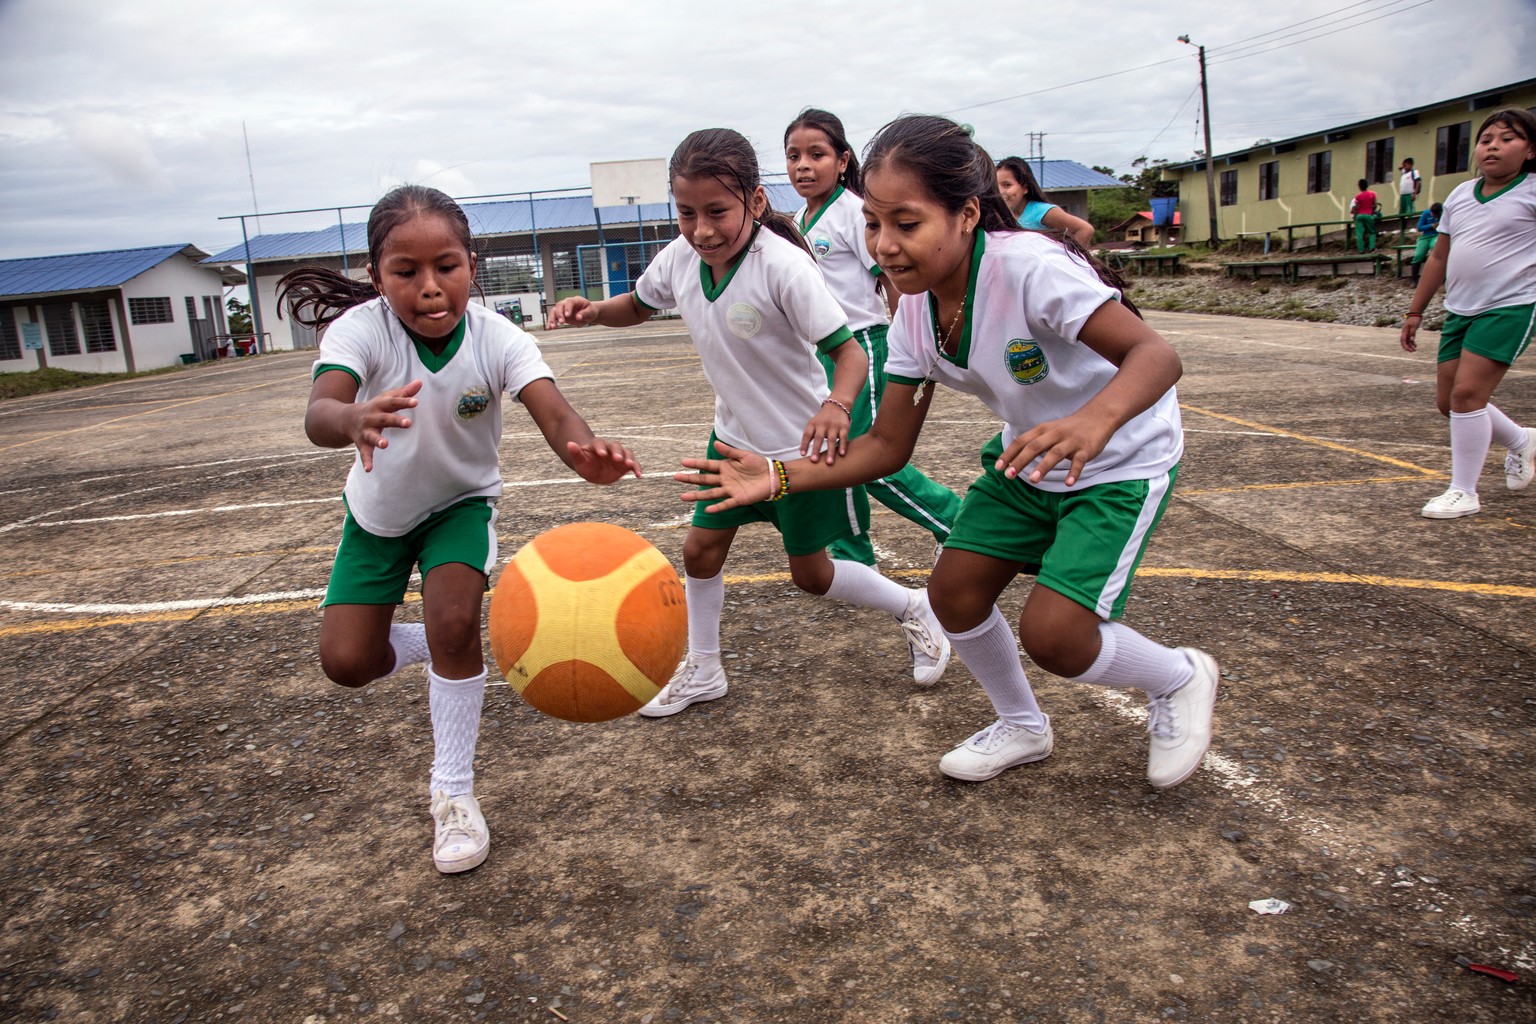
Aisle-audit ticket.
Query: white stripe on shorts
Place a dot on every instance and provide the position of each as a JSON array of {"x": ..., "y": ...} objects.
[
  {"x": 853, "y": 513},
  {"x": 1121, "y": 577},
  {"x": 490, "y": 554}
]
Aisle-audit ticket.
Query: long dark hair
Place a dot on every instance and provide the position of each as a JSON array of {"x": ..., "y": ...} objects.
[
  {"x": 1019, "y": 168},
  {"x": 1518, "y": 120},
  {"x": 729, "y": 158},
  {"x": 829, "y": 125},
  {"x": 315, "y": 296},
  {"x": 944, "y": 157}
]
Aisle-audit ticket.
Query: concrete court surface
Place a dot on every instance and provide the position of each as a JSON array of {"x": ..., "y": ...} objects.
[{"x": 202, "y": 828}]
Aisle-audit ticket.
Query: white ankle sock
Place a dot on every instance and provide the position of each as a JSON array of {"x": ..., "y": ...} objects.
[
  {"x": 1128, "y": 659},
  {"x": 859, "y": 584},
  {"x": 992, "y": 655},
  {"x": 1471, "y": 434},
  {"x": 1506, "y": 432},
  {"x": 706, "y": 600},
  {"x": 455, "y": 731},
  {"x": 409, "y": 642}
]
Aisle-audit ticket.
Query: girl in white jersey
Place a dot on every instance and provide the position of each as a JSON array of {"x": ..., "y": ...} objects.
[
  {"x": 825, "y": 172},
  {"x": 411, "y": 375},
  {"x": 1074, "y": 484},
  {"x": 758, "y": 311},
  {"x": 1485, "y": 256}
]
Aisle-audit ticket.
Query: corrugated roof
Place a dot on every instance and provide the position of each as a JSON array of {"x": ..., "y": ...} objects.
[
  {"x": 567, "y": 213},
  {"x": 85, "y": 271}
]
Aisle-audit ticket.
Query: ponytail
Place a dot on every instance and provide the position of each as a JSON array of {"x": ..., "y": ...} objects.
[
  {"x": 943, "y": 156},
  {"x": 831, "y": 126},
  {"x": 729, "y": 158},
  {"x": 317, "y": 296}
]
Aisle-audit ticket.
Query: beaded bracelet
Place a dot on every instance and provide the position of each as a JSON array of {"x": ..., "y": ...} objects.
[
  {"x": 781, "y": 480},
  {"x": 1419, "y": 315},
  {"x": 846, "y": 411}
]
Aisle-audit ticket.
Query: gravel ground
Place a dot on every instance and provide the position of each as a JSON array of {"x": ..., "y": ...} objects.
[{"x": 1358, "y": 300}]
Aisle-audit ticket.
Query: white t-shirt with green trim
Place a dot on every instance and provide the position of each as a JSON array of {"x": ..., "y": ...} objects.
[
  {"x": 1019, "y": 353},
  {"x": 450, "y": 451},
  {"x": 836, "y": 238},
  {"x": 1493, "y": 246},
  {"x": 757, "y": 332}
]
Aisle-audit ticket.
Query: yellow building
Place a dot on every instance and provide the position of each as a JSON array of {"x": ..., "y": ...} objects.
[{"x": 1310, "y": 179}]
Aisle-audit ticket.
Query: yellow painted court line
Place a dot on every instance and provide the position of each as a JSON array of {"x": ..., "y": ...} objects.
[
  {"x": 1181, "y": 493},
  {"x": 1335, "y": 446},
  {"x": 328, "y": 549},
  {"x": 1241, "y": 575}
]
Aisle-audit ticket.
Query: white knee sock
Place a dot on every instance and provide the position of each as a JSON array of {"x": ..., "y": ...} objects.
[
  {"x": 1506, "y": 432},
  {"x": 409, "y": 642},
  {"x": 1471, "y": 434},
  {"x": 859, "y": 584},
  {"x": 992, "y": 655},
  {"x": 706, "y": 600},
  {"x": 1128, "y": 659},
  {"x": 455, "y": 731}
]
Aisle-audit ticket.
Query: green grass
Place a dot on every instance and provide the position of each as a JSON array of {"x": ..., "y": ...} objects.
[{"x": 39, "y": 382}]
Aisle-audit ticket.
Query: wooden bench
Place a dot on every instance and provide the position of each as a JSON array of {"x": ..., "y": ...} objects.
[
  {"x": 1402, "y": 255},
  {"x": 1317, "y": 232},
  {"x": 1295, "y": 268},
  {"x": 1159, "y": 262},
  {"x": 1257, "y": 268}
]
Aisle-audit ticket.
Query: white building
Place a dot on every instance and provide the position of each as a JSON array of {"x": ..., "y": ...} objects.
[{"x": 113, "y": 312}]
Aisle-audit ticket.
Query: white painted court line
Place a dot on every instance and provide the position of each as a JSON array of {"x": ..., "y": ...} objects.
[{"x": 192, "y": 604}]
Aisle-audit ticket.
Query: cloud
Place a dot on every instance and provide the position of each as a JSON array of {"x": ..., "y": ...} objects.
[
  {"x": 119, "y": 147},
  {"x": 429, "y": 172}
]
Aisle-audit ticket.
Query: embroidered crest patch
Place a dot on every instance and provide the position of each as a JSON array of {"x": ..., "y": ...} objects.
[
  {"x": 1026, "y": 361},
  {"x": 820, "y": 244},
  {"x": 473, "y": 402},
  {"x": 743, "y": 321}
]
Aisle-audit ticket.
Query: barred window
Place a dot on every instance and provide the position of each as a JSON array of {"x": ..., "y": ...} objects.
[
  {"x": 1451, "y": 145},
  {"x": 1228, "y": 188},
  {"x": 1269, "y": 180},
  {"x": 509, "y": 275},
  {"x": 1320, "y": 171},
  {"x": 10, "y": 340},
  {"x": 63, "y": 339},
  {"x": 96, "y": 326},
  {"x": 150, "y": 311},
  {"x": 1378, "y": 160}
]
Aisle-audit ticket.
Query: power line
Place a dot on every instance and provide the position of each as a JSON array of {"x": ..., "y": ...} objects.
[
  {"x": 1307, "y": 21},
  {"x": 1320, "y": 35}
]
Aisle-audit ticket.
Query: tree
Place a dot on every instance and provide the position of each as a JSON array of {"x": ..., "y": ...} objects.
[
  {"x": 1111, "y": 206},
  {"x": 239, "y": 316}
]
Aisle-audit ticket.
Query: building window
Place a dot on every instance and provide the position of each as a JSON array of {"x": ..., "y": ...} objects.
[
  {"x": 1378, "y": 160},
  {"x": 150, "y": 311},
  {"x": 59, "y": 318},
  {"x": 1269, "y": 180},
  {"x": 1451, "y": 145},
  {"x": 1320, "y": 171},
  {"x": 10, "y": 340},
  {"x": 96, "y": 326},
  {"x": 509, "y": 275},
  {"x": 1228, "y": 188}
]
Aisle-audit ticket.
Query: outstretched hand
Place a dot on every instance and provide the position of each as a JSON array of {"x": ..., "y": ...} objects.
[
  {"x": 601, "y": 461},
  {"x": 575, "y": 310},
  {"x": 1074, "y": 439},
  {"x": 741, "y": 478},
  {"x": 379, "y": 413}
]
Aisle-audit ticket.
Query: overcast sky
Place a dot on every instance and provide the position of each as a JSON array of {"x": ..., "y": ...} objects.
[{"x": 124, "y": 123}]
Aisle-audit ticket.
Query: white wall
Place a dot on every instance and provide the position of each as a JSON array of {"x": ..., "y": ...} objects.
[{"x": 177, "y": 278}]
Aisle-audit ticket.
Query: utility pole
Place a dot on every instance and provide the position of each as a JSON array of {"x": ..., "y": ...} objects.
[{"x": 1210, "y": 163}]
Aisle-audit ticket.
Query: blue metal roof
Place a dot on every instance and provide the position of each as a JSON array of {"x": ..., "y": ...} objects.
[
  {"x": 86, "y": 271},
  {"x": 575, "y": 213}
]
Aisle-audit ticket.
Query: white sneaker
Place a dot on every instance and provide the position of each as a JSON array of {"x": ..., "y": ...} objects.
[
  {"x": 995, "y": 749},
  {"x": 1180, "y": 723},
  {"x": 1453, "y": 504},
  {"x": 462, "y": 838},
  {"x": 693, "y": 682},
  {"x": 1518, "y": 469},
  {"x": 925, "y": 639}
]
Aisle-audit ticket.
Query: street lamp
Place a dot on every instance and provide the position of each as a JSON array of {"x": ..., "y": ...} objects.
[{"x": 1210, "y": 166}]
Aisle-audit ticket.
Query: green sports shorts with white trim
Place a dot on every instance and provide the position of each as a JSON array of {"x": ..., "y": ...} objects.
[
  {"x": 1085, "y": 544},
  {"x": 1498, "y": 334},
  {"x": 808, "y": 521},
  {"x": 370, "y": 569}
]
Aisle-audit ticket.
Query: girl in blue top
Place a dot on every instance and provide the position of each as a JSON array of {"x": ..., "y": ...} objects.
[
  {"x": 825, "y": 172},
  {"x": 1028, "y": 202}
]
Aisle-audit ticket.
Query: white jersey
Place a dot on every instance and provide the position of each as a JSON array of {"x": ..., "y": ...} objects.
[
  {"x": 1019, "y": 353},
  {"x": 757, "y": 332},
  {"x": 449, "y": 452},
  {"x": 1493, "y": 246},
  {"x": 836, "y": 238}
]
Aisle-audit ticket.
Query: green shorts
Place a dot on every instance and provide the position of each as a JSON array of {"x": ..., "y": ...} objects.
[
  {"x": 370, "y": 569},
  {"x": 1499, "y": 334},
  {"x": 808, "y": 521},
  {"x": 1085, "y": 543}
]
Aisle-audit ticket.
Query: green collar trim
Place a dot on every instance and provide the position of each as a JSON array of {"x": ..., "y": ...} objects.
[
  {"x": 806, "y": 227},
  {"x": 1477, "y": 190},
  {"x": 713, "y": 291},
  {"x": 434, "y": 361},
  {"x": 962, "y": 356}
]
